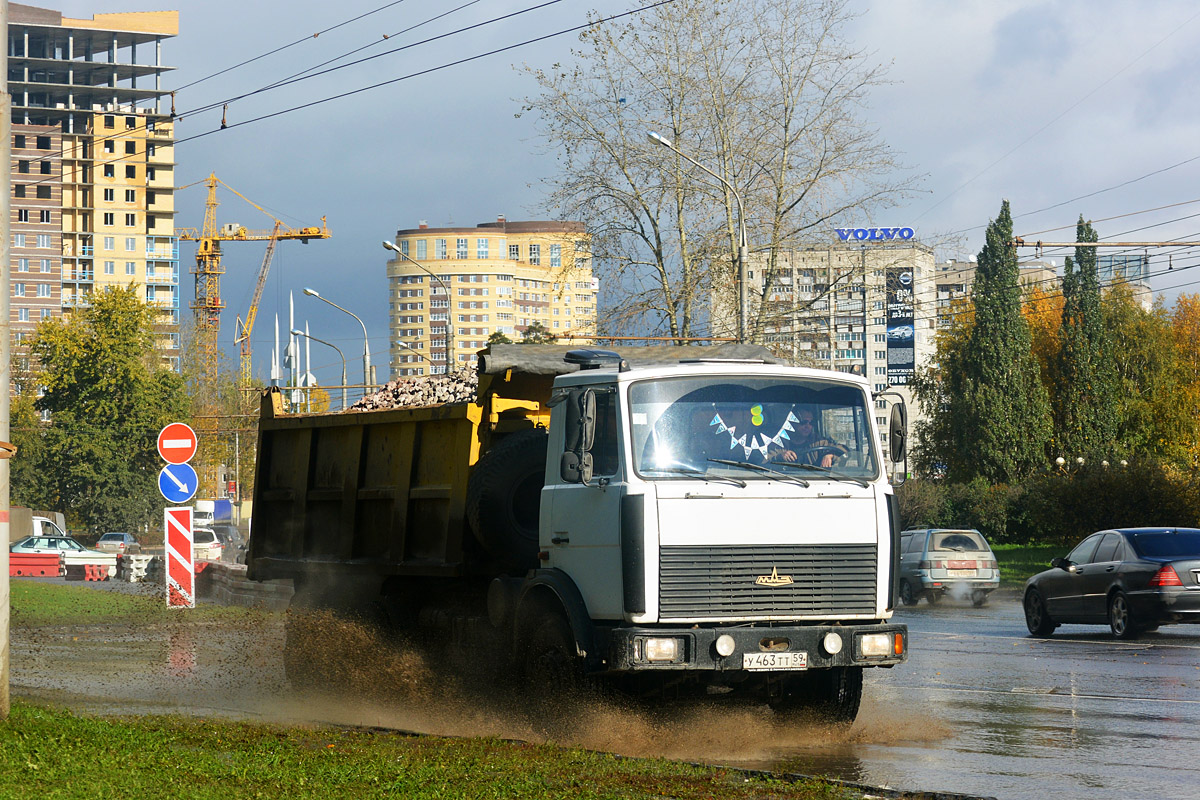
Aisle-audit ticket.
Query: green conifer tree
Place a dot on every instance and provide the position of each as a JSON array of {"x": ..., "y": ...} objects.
[
  {"x": 1085, "y": 404},
  {"x": 997, "y": 405}
]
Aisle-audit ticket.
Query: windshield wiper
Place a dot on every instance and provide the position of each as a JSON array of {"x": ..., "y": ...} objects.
[
  {"x": 695, "y": 473},
  {"x": 761, "y": 468},
  {"x": 825, "y": 471}
]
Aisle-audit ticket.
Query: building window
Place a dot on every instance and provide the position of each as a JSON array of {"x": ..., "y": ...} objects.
[
  {"x": 461, "y": 248},
  {"x": 43, "y": 240},
  {"x": 110, "y": 268},
  {"x": 130, "y": 220},
  {"x": 109, "y": 242},
  {"x": 130, "y": 171},
  {"x": 19, "y": 141},
  {"x": 47, "y": 265},
  {"x": 439, "y": 249},
  {"x": 18, "y": 190},
  {"x": 18, "y": 290},
  {"x": 130, "y": 267},
  {"x": 535, "y": 254},
  {"x": 130, "y": 196},
  {"x": 130, "y": 123},
  {"x": 110, "y": 171},
  {"x": 404, "y": 247},
  {"x": 556, "y": 255},
  {"x": 110, "y": 146},
  {"x": 130, "y": 241},
  {"x": 23, "y": 167},
  {"x": 514, "y": 252},
  {"x": 22, "y": 215},
  {"x": 109, "y": 120},
  {"x": 422, "y": 250},
  {"x": 46, "y": 313},
  {"x": 110, "y": 218},
  {"x": 22, "y": 265},
  {"x": 149, "y": 174},
  {"x": 46, "y": 168},
  {"x": 22, "y": 315},
  {"x": 110, "y": 195},
  {"x": 45, "y": 216},
  {"x": 43, "y": 290},
  {"x": 43, "y": 142},
  {"x": 131, "y": 148},
  {"x": 18, "y": 240},
  {"x": 481, "y": 248},
  {"x": 43, "y": 192},
  {"x": 151, "y": 221}
]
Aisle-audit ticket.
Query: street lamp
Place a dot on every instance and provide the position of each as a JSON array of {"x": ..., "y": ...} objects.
[
  {"x": 298, "y": 332},
  {"x": 450, "y": 363},
  {"x": 368, "y": 374},
  {"x": 742, "y": 244}
]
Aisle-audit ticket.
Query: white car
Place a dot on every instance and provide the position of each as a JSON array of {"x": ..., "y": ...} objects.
[{"x": 205, "y": 545}]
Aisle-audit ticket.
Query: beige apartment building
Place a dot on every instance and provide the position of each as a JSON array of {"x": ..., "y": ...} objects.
[
  {"x": 449, "y": 289},
  {"x": 92, "y": 167}
]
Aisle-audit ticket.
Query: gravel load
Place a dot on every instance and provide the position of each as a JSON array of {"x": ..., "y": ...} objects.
[{"x": 424, "y": 390}]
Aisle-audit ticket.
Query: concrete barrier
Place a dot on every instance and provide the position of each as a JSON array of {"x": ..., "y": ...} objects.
[
  {"x": 35, "y": 564},
  {"x": 226, "y": 584}
]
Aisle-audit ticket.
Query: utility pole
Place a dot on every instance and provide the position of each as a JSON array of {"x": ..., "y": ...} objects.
[{"x": 5, "y": 368}]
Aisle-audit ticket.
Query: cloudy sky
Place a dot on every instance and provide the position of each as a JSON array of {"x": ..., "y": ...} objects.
[{"x": 1064, "y": 108}]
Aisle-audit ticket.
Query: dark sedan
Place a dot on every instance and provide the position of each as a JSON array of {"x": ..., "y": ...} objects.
[{"x": 1133, "y": 579}]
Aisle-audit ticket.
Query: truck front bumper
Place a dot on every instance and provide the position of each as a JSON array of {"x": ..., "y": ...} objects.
[{"x": 756, "y": 648}]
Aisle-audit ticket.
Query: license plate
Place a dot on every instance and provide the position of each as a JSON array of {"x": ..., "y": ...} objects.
[
  {"x": 961, "y": 573},
  {"x": 769, "y": 661}
]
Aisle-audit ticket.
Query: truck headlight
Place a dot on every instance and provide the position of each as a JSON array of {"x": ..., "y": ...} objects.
[
  {"x": 875, "y": 645},
  {"x": 725, "y": 645},
  {"x": 832, "y": 643},
  {"x": 660, "y": 649}
]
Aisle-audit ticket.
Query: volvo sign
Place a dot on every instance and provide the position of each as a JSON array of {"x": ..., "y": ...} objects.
[{"x": 874, "y": 234}]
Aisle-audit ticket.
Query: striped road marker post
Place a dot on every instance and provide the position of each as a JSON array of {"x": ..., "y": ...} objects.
[{"x": 181, "y": 568}]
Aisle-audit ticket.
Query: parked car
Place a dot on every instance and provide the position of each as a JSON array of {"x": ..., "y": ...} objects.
[
  {"x": 49, "y": 544},
  {"x": 1133, "y": 579},
  {"x": 205, "y": 545},
  {"x": 939, "y": 561},
  {"x": 119, "y": 543}
]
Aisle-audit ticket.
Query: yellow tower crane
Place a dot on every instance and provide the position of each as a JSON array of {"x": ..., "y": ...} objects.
[{"x": 207, "y": 305}]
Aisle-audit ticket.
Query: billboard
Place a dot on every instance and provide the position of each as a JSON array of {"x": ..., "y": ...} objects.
[{"x": 901, "y": 329}]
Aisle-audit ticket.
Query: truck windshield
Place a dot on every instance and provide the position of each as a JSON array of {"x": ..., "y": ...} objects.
[{"x": 817, "y": 428}]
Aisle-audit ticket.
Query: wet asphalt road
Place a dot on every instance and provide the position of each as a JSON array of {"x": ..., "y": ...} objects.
[
  {"x": 980, "y": 708},
  {"x": 989, "y": 710}
]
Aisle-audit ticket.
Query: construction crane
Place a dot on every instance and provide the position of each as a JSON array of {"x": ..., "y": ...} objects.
[{"x": 207, "y": 305}]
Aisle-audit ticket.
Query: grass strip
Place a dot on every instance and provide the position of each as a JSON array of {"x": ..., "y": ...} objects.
[
  {"x": 52, "y": 753},
  {"x": 33, "y": 603},
  {"x": 1020, "y": 561}
]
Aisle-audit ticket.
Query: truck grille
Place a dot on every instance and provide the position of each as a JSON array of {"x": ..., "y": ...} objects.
[{"x": 735, "y": 581}]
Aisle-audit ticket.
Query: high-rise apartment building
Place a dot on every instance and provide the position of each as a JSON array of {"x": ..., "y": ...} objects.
[
  {"x": 864, "y": 308},
  {"x": 93, "y": 165},
  {"x": 449, "y": 289}
]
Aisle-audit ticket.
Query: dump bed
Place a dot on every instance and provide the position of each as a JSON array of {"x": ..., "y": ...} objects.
[{"x": 381, "y": 491}]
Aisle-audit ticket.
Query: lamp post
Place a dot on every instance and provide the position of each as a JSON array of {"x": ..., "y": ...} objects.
[
  {"x": 742, "y": 243},
  {"x": 368, "y": 375},
  {"x": 450, "y": 362},
  {"x": 298, "y": 332}
]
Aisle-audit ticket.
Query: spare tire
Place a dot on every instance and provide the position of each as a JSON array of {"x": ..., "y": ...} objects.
[{"x": 504, "y": 498}]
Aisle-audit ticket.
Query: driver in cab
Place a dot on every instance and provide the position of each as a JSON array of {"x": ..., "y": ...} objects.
[{"x": 808, "y": 448}]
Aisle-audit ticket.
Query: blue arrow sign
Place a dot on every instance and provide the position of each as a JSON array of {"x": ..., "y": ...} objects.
[{"x": 178, "y": 483}]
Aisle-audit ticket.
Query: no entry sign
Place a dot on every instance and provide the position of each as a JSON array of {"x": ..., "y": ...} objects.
[
  {"x": 177, "y": 443},
  {"x": 181, "y": 566}
]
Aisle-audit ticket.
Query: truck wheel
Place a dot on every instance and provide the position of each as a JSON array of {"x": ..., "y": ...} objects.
[
  {"x": 830, "y": 695},
  {"x": 504, "y": 498},
  {"x": 906, "y": 594},
  {"x": 551, "y": 663}
]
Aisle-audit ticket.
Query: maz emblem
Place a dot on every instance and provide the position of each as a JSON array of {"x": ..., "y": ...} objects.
[{"x": 774, "y": 579}]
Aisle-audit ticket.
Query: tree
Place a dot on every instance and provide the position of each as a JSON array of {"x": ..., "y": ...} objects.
[
  {"x": 998, "y": 422},
  {"x": 1085, "y": 400},
  {"x": 498, "y": 337},
  {"x": 766, "y": 94},
  {"x": 108, "y": 396},
  {"x": 536, "y": 333}
]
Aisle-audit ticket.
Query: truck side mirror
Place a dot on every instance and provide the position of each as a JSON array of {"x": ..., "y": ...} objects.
[
  {"x": 897, "y": 433},
  {"x": 580, "y": 434}
]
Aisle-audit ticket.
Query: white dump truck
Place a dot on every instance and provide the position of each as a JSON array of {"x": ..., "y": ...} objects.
[{"x": 656, "y": 518}]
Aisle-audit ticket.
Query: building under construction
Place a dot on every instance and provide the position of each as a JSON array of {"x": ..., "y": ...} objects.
[{"x": 92, "y": 165}]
